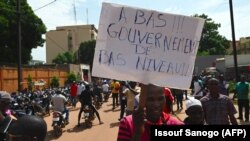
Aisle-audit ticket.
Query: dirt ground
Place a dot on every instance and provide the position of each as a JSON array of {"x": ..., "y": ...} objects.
[{"x": 107, "y": 131}]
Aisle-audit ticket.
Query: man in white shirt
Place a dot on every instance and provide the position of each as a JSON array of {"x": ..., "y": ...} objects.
[
  {"x": 105, "y": 90},
  {"x": 80, "y": 88},
  {"x": 59, "y": 103},
  {"x": 130, "y": 93}
]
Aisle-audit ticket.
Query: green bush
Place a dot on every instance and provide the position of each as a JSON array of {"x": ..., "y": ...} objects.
[
  {"x": 232, "y": 86},
  {"x": 54, "y": 82},
  {"x": 71, "y": 78}
]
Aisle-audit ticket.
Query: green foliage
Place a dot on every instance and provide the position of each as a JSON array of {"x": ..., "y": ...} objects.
[
  {"x": 66, "y": 57},
  {"x": 30, "y": 83},
  {"x": 69, "y": 57},
  {"x": 32, "y": 29},
  {"x": 231, "y": 86},
  {"x": 71, "y": 77},
  {"x": 54, "y": 82},
  {"x": 86, "y": 51},
  {"x": 212, "y": 43}
]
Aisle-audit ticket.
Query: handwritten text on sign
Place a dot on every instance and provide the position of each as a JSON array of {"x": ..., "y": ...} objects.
[{"x": 146, "y": 46}]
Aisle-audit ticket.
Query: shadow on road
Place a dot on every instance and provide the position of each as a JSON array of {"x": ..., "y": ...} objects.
[
  {"x": 51, "y": 136},
  {"x": 73, "y": 109},
  {"x": 109, "y": 104},
  {"x": 111, "y": 110},
  {"x": 80, "y": 128},
  {"x": 114, "y": 124}
]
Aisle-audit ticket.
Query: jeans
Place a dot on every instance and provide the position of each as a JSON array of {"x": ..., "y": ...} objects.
[
  {"x": 243, "y": 103},
  {"x": 115, "y": 99},
  {"x": 73, "y": 101},
  {"x": 66, "y": 111},
  {"x": 123, "y": 106}
]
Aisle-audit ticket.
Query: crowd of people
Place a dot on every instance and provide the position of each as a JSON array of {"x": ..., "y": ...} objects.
[{"x": 144, "y": 105}]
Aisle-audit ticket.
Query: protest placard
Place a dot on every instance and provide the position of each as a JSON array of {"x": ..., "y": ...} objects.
[{"x": 146, "y": 46}]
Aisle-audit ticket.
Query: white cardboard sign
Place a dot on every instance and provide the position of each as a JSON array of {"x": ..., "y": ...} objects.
[{"x": 146, "y": 46}]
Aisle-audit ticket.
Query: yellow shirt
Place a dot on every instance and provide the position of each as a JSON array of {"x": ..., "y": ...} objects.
[{"x": 115, "y": 87}]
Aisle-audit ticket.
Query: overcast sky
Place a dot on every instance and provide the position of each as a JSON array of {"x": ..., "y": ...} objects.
[{"x": 61, "y": 13}]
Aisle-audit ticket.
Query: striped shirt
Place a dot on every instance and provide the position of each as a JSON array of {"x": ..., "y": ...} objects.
[{"x": 126, "y": 128}]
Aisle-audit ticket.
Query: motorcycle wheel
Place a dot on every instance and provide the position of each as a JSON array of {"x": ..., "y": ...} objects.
[
  {"x": 57, "y": 131},
  {"x": 88, "y": 124}
]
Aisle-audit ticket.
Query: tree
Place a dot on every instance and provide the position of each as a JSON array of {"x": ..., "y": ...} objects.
[
  {"x": 66, "y": 57},
  {"x": 86, "y": 51},
  {"x": 54, "y": 82},
  {"x": 32, "y": 29},
  {"x": 212, "y": 43},
  {"x": 71, "y": 78}
]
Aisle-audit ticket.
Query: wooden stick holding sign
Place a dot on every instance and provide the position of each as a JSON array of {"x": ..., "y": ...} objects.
[
  {"x": 146, "y": 46},
  {"x": 143, "y": 96},
  {"x": 139, "y": 115}
]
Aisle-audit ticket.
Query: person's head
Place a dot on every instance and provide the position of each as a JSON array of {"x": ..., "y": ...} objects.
[
  {"x": 167, "y": 91},
  {"x": 155, "y": 101},
  {"x": 5, "y": 100},
  {"x": 87, "y": 87},
  {"x": 242, "y": 78},
  {"x": 195, "y": 78},
  {"x": 213, "y": 86},
  {"x": 132, "y": 84},
  {"x": 104, "y": 81},
  {"x": 194, "y": 111},
  {"x": 221, "y": 77},
  {"x": 58, "y": 92}
]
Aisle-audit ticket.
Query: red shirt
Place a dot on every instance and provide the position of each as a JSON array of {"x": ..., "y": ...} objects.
[
  {"x": 168, "y": 95},
  {"x": 73, "y": 90},
  {"x": 126, "y": 128}
]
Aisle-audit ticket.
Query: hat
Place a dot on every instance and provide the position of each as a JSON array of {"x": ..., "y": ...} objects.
[
  {"x": 192, "y": 102},
  {"x": 4, "y": 95}
]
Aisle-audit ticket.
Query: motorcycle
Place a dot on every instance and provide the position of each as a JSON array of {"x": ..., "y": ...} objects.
[
  {"x": 97, "y": 102},
  {"x": 88, "y": 116},
  {"x": 58, "y": 122}
]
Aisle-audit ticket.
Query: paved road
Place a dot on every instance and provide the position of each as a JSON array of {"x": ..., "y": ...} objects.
[{"x": 107, "y": 131}]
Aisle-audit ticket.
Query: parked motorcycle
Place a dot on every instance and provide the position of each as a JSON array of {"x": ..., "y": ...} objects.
[{"x": 58, "y": 122}]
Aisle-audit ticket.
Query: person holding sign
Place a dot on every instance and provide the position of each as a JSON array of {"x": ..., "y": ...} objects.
[{"x": 135, "y": 127}]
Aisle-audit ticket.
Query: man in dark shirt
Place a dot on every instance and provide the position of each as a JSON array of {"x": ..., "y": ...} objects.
[{"x": 86, "y": 99}]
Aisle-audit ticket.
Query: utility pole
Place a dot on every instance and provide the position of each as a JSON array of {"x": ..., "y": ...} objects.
[
  {"x": 233, "y": 41},
  {"x": 87, "y": 13},
  {"x": 74, "y": 6},
  {"x": 19, "y": 45}
]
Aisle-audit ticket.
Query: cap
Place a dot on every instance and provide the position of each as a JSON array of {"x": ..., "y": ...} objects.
[
  {"x": 4, "y": 95},
  {"x": 192, "y": 102}
]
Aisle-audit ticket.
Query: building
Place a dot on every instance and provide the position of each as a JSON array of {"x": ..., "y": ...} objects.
[
  {"x": 67, "y": 38},
  {"x": 244, "y": 46}
]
